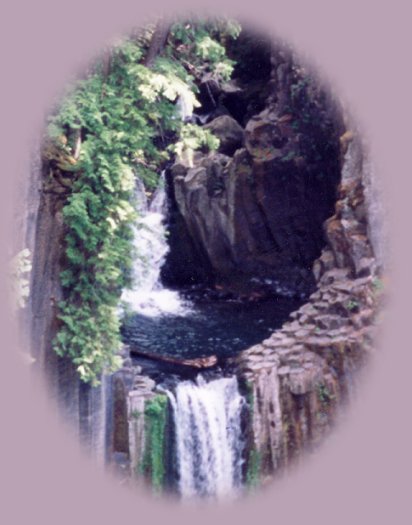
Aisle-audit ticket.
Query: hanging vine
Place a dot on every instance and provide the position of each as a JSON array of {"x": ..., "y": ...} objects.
[{"x": 118, "y": 123}]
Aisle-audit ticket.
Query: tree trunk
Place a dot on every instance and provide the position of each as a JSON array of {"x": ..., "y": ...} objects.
[
  {"x": 106, "y": 62},
  {"x": 157, "y": 42}
]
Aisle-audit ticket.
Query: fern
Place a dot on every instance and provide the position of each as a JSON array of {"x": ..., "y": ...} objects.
[{"x": 128, "y": 127}]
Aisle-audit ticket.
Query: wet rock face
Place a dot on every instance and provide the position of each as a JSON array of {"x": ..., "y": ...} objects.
[{"x": 348, "y": 229}]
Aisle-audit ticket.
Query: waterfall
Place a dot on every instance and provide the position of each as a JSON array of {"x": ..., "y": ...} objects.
[
  {"x": 209, "y": 442},
  {"x": 148, "y": 296}
]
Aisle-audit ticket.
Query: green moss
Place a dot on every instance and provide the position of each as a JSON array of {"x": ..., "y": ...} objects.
[
  {"x": 136, "y": 414},
  {"x": 254, "y": 461},
  {"x": 248, "y": 387},
  {"x": 377, "y": 284},
  {"x": 352, "y": 305},
  {"x": 324, "y": 394},
  {"x": 253, "y": 469},
  {"x": 153, "y": 466},
  {"x": 378, "y": 287}
]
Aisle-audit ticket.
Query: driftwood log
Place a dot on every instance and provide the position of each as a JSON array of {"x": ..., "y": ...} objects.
[{"x": 197, "y": 362}]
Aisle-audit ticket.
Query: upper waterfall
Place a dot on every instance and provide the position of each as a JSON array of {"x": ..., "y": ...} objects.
[{"x": 148, "y": 296}]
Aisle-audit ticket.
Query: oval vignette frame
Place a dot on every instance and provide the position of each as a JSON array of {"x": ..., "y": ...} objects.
[{"x": 366, "y": 449}]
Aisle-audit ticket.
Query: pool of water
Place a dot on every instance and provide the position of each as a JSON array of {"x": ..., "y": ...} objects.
[{"x": 221, "y": 328}]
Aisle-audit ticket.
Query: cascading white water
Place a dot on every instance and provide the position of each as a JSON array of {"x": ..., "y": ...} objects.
[
  {"x": 207, "y": 415},
  {"x": 148, "y": 296},
  {"x": 209, "y": 441}
]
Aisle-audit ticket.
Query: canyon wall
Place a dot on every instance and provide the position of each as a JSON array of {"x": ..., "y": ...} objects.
[{"x": 300, "y": 379}]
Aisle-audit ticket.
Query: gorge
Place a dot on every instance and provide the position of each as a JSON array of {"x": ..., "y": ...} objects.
[{"x": 257, "y": 277}]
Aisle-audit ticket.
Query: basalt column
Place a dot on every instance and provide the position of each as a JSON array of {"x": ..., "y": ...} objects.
[{"x": 305, "y": 373}]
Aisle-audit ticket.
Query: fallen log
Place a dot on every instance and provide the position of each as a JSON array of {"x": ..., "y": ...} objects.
[{"x": 197, "y": 362}]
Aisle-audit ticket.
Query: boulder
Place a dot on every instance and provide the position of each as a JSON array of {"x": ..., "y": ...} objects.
[
  {"x": 264, "y": 140},
  {"x": 229, "y": 133}
]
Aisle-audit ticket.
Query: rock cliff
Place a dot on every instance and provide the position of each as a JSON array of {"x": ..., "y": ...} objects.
[
  {"x": 256, "y": 208},
  {"x": 300, "y": 378}
]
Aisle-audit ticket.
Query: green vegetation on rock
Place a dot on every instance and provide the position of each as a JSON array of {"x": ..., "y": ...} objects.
[
  {"x": 118, "y": 123},
  {"x": 153, "y": 464},
  {"x": 324, "y": 394},
  {"x": 253, "y": 469},
  {"x": 254, "y": 459}
]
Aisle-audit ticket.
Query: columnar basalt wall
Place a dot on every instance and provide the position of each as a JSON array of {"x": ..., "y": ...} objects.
[
  {"x": 301, "y": 376},
  {"x": 139, "y": 439}
]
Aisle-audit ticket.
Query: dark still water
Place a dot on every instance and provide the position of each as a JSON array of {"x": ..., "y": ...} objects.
[{"x": 211, "y": 328}]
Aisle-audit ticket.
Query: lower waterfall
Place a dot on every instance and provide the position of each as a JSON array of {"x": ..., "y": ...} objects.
[{"x": 209, "y": 441}]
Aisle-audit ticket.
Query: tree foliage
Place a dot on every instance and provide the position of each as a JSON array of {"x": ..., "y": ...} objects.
[{"x": 123, "y": 116}]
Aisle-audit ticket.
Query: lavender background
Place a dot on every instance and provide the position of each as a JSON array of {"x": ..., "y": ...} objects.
[{"x": 362, "y": 473}]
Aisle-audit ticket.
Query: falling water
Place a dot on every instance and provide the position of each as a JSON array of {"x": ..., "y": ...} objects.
[
  {"x": 209, "y": 441},
  {"x": 148, "y": 296}
]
